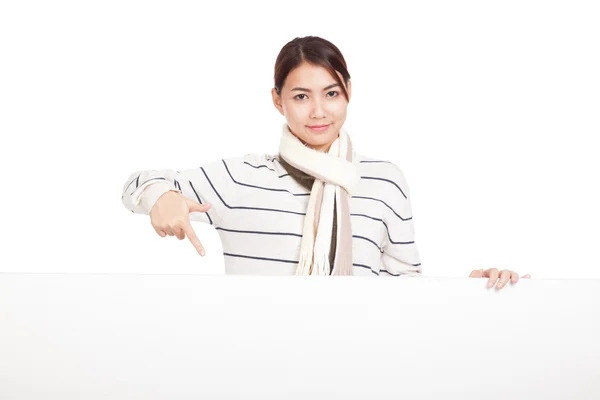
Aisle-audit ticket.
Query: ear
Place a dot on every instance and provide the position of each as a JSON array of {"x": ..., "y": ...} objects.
[
  {"x": 349, "y": 89},
  {"x": 277, "y": 101}
]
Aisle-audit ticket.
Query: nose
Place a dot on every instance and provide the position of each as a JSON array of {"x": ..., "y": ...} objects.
[{"x": 318, "y": 110}]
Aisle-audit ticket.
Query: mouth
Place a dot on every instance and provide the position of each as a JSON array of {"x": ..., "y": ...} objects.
[{"x": 319, "y": 128}]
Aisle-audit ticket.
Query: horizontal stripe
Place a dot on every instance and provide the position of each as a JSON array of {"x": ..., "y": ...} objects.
[
  {"x": 386, "y": 204},
  {"x": 265, "y": 166},
  {"x": 375, "y": 161},
  {"x": 287, "y": 261},
  {"x": 385, "y": 180},
  {"x": 242, "y": 207},
  {"x": 290, "y": 234},
  {"x": 366, "y": 266},
  {"x": 260, "y": 232},
  {"x": 368, "y": 240},
  {"x": 259, "y": 166},
  {"x": 260, "y": 258},
  {"x": 261, "y": 187},
  {"x": 384, "y": 224},
  {"x": 389, "y": 273}
]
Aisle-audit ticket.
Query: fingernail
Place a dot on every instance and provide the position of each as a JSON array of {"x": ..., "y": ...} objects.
[{"x": 202, "y": 253}]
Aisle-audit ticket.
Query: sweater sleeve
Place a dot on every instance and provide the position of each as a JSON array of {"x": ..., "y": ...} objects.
[
  {"x": 142, "y": 189},
  {"x": 399, "y": 251}
]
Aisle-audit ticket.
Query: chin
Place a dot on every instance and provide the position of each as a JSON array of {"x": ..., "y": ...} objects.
[{"x": 320, "y": 141}]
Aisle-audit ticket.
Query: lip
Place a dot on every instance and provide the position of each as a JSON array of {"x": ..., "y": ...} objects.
[{"x": 318, "y": 128}]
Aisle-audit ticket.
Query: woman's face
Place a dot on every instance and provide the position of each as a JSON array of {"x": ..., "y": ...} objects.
[{"x": 311, "y": 97}]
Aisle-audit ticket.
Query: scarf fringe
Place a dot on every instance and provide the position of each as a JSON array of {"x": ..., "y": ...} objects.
[{"x": 321, "y": 265}]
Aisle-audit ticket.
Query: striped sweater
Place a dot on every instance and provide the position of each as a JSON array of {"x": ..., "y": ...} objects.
[{"x": 258, "y": 210}]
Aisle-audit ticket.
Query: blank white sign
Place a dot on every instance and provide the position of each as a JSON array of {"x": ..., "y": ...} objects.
[{"x": 135, "y": 336}]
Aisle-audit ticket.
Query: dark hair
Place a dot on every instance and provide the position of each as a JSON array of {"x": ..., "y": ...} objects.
[{"x": 315, "y": 51}]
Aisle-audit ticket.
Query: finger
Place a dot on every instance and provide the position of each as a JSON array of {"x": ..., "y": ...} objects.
[
  {"x": 189, "y": 231},
  {"x": 504, "y": 277},
  {"x": 527, "y": 276},
  {"x": 169, "y": 231},
  {"x": 174, "y": 227},
  {"x": 514, "y": 278},
  {"x": 478, "y": 273},
  {"x": 179, "y": 233},
  {"x": 197, "y": 207},
  {"x": 493, "y": 274},
  {"x": 159, "y": 232}
]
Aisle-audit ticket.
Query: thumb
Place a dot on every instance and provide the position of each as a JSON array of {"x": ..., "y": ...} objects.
[{"x": 194, "y": 206}]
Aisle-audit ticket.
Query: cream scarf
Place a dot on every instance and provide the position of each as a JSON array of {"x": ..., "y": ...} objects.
[{"x": 336, "y": 178}]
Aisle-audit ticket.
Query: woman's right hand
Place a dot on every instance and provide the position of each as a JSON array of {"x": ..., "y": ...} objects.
[{"x": 170, "y": 215}]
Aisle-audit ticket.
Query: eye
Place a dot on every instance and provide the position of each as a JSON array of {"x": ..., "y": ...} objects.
[
  {"x": 301, "y": 94},
  {"x": 333, "y": 91}
]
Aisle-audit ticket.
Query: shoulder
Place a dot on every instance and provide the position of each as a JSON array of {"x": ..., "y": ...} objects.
[
  {"x": 386, "y": 172},
  {"x": 378, "y": 167}
]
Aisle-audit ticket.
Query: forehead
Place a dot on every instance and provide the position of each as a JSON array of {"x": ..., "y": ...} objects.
[{"x": 309, "y": 76}]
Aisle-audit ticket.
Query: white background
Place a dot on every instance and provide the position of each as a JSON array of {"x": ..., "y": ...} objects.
[{"x": 490, "y": 109}]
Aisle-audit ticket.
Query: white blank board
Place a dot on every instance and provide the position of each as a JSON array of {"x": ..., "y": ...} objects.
[{"x": 141, "y": 336}]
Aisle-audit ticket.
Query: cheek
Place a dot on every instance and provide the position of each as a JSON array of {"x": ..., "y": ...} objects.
[
  {"x": 338, "y": 107},
  {"x": 339, "y": 112},
  {"x": 297, "y": 112}
]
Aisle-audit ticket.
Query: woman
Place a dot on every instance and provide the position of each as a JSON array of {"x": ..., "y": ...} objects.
[{"x": 316, "y": 208}]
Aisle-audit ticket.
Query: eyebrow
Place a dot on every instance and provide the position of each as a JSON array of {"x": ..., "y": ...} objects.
[{"x": 308, "y": 90}]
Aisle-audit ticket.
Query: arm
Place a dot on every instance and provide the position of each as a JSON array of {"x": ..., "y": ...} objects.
[
  {"x": 222, "y": 183},
  {"x": 143, "y": 188},
  {"x": 400, "y": 255}
]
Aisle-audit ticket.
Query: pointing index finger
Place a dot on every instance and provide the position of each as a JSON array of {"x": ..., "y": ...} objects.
[{"x": 189, "y": 231}]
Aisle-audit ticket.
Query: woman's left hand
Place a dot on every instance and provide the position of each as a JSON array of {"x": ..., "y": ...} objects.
[{"x": 502, "y": 277}]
